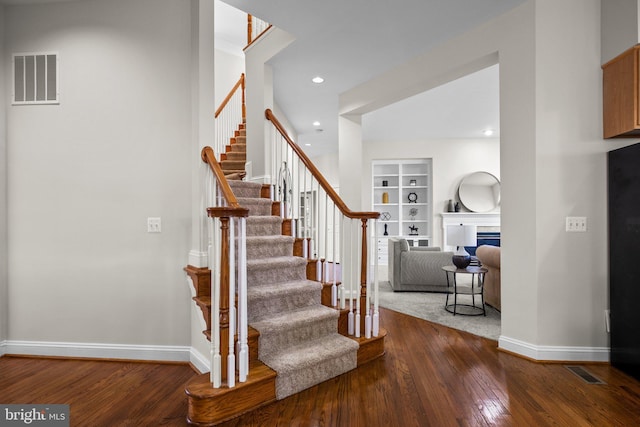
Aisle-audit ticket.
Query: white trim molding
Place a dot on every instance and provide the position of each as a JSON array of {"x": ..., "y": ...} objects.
[
  {"x": 198, "y": 259},
  {"x": 99, "y": 351},
  {"x": 554, "y": 353},
  {"x": 3, "y": 348},
  {"x": 199, "y": 361}
]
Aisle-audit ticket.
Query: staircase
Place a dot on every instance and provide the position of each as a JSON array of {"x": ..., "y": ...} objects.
[
  {"x": 296, "y": 341},
  {"x": 234, "y": 158},
  {"x": 297, "y": 336}
]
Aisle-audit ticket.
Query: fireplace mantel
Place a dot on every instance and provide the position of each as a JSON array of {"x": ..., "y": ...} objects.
[{"x": 484, "y": 219}]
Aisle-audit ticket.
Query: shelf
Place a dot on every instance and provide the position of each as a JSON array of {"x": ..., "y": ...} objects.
[{"x": 399, "y": 175}]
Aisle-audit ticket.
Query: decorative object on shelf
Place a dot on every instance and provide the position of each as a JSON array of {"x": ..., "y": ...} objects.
[
  {"x": 461, "y": 236},
  {"x": 385, "y": 183},
  {"x": 456, "y": 207},
  {"x": 412, "y": 182},
  {"x": 385, "y": 216},
  {"x": 480, "y": 192},
  {"x": 450, "y": 207},
  {"x": 413, "y": 197},
  {"x": 386, "y": 233},
  {"x": 385, "y": 197},
  {"x": 413, "y": 212},
  {"x": 413, "y": 230}
]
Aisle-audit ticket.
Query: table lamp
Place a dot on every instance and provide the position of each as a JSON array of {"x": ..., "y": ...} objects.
[{"x": 461, "y": 236}]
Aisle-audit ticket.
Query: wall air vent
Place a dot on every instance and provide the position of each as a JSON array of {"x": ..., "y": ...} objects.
[{"x": 35, "y": 78}]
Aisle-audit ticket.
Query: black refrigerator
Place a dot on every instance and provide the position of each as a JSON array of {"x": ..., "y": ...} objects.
[{"x": 624, "y": 258}]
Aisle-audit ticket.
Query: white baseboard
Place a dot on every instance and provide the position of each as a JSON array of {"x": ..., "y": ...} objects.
[
  {"x": 199, "y": 361},
  {"x": 554, "y": 353},
  {"x": 198, "y": 259},
  {"x": 108, "y": 351},
  {"x": 98, "y": 351}
]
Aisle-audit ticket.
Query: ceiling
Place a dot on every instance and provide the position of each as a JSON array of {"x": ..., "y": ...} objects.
[{"x": 350, "y": 42}]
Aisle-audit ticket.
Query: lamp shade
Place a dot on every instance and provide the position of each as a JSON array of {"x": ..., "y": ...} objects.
[{"x": 461, "y": 236}]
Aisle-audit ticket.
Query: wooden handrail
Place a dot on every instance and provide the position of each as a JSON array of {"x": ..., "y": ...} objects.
[
  {"x": 250, "y": 39},
  {"x": 226, "y": 100},
  {"x": 340, "y": 204},
  {"x": 233, "y": 208}
]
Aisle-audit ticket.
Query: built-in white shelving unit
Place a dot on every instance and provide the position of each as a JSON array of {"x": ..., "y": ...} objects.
[{"x": 406, "y": 210}]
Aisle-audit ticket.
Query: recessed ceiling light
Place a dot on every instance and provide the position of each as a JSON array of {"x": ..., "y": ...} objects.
[
  {"x": 317, "y": 79},
  {"x": 307, "y": 144},
  {"x": 488, "y": 132},
  {"x": 316, "y": 123}
]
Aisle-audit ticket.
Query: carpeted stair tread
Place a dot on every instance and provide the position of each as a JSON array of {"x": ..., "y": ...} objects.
[
  {"x": 268, "y": 271},
  {"x": 305, "y": 365},
  {"x": 292, "y": 328},
  {"x": 264, "y": 225},
  {"x": 271, "y": 300},
  {"x": 246, "y": 189},
  {"x": 295, "y": 319},
  {"x": 311, "y": 351},
  {"x": 232, "y": 164},
  {"x": 236, "y": 155},
  {"x": 269, "y": 246},
  {"x": 258, "y": 207},
  {"x": 238, "y": 147}
]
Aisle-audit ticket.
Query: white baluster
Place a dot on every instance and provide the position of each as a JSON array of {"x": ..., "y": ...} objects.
[
  {"x": 334, "y": 287},
  {"x": 351, "y": 316},
  {"x": 231, "y": 357},
  {"x": 376, "y": 289},
  {"x": 242, "y": 302},
  {"x": 216, "y": 359},
  {"x": 356, "y": 280}
]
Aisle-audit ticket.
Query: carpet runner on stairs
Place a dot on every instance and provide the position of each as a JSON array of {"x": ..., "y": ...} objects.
[{"x": 299, "y": 336}]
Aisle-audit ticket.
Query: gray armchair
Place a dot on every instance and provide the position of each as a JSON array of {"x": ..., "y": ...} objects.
[{"x": 417, "y": 268}]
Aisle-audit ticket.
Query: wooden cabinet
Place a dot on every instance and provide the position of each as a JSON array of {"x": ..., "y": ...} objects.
[
  {"x": 621, "y": 95},
  {"x": 401, "y": 192}
]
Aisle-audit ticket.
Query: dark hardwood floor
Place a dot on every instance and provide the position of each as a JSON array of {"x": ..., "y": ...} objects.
[{"x": 430, "y": 376}]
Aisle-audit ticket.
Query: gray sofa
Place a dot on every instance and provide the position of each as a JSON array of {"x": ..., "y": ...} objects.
[{"x": 417, "y": 268}]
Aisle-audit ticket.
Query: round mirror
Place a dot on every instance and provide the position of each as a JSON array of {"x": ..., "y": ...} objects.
[{"x": 480, "y": 192}]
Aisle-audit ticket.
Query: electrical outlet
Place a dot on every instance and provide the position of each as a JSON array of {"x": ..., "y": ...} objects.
[
  {"x": 576, "y": 223},
  {"x": 154, "y": 225}
]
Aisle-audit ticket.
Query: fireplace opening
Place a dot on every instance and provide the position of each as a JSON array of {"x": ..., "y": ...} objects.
[{"x": 491, "y": 238}]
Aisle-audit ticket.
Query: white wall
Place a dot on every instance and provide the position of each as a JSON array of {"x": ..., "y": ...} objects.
[
  {"x": 4, "y": 308},
  {"x": 571, "y": 175},
  {"x": 452, "y": 161},
  {"x": 228, "y": 69},
  {"x": 552, "y": 165},
  {"x": 619, "y": 19},
  {"x": 259, "y": 84},
  {"x": 327, "y": 164},
  {"x": 85, "y": 175}
]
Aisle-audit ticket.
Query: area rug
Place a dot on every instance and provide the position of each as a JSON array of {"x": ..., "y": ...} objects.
[{"x": 430, "y": 306}]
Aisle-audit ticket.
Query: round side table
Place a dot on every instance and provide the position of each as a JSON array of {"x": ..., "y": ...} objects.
[{"x": 476, "y": 288}]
